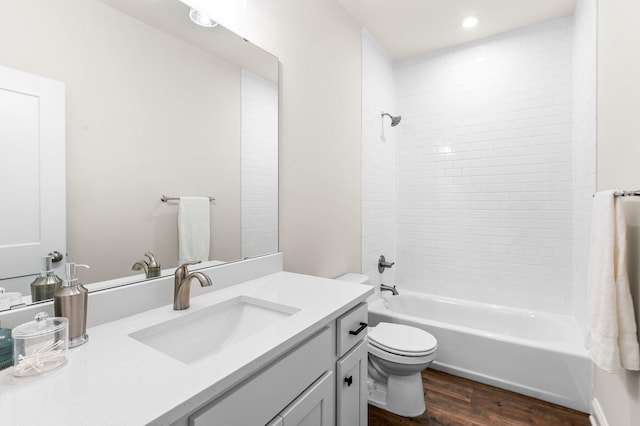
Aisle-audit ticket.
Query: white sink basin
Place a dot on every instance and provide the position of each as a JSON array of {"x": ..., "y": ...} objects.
[{"x": 209, "y": 330}]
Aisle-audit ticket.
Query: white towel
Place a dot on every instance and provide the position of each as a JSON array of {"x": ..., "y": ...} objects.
[
  {"x": 614, "y": 342},
  {"x": 193, "y": 229}
]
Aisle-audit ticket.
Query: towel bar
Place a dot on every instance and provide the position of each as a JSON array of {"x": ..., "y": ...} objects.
[
  {"x": 164, "y": 199},
  {"x": 625, "y": 194}
]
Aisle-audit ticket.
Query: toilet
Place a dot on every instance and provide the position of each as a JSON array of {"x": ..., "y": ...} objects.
[{"x": 397, "y": 355}]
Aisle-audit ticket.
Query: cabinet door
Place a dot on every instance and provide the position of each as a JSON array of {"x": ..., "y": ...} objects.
[
  {"x": 314, "y": 407},
  {"x": 351, "y": 387}
]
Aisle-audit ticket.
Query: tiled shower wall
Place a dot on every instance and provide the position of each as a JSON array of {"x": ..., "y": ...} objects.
[
  {"x": 584, "y": 147},
  {"x": 378, "y": 153},
  {"x": 259, "y": 165},
  {"x": 484, "y": 175}
]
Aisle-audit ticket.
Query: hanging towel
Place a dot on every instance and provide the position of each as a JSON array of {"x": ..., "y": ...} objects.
[
  {"x": 193, "y": 229},
  {"x": 614, "y": 342}
]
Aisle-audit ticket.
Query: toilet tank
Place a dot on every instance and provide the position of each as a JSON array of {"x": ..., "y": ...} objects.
[{"x": 354, "y": 278}]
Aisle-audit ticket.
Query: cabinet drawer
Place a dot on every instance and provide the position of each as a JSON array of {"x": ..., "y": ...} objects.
[{"x": 351, "y": 328}]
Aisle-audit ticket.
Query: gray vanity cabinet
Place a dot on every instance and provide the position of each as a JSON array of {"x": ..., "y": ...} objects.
[
  {"x": 314, "y": 406},
  {"x": 321, "y": 382}
]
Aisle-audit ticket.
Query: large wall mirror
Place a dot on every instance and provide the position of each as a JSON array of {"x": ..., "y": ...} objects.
[{"x": 155, "y": 105}]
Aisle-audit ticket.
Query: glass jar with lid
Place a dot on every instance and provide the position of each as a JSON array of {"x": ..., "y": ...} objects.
[{"x": 40, "y": 345}]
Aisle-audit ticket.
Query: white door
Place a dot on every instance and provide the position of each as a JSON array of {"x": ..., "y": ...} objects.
[{"x": 32, "y": 171}]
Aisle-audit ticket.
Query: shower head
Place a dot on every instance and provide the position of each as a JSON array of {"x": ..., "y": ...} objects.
[{"x": 394, "y": 119}]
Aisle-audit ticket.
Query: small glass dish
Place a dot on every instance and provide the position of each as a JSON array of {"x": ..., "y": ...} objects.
[{"x": 40, "y": 346}]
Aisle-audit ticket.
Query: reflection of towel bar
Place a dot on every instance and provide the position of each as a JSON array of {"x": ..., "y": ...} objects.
[
  {"x": 164, "y": 199},
  {"x": 625, "y": 194}
]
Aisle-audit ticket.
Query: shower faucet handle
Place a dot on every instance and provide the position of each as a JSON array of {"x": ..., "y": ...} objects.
[{"x": 383, "y": 264}]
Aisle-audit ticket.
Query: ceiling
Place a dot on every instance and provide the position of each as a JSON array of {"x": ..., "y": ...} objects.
[
  {"x": 171, "y": 17},
  {"x": 407, "y": 28}
]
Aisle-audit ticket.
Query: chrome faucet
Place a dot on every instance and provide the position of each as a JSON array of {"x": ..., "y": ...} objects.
[
  {"x": 182, "y": 287},
  {"x": 151, "y": 268},
  {"x": 392, "y": 289}
]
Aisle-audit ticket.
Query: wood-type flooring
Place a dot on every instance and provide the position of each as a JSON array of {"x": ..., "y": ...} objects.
[{"x": 454, "y": 401}]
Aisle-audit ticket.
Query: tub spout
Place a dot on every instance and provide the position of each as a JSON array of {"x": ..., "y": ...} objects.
[{"x": 392, "y": 289}]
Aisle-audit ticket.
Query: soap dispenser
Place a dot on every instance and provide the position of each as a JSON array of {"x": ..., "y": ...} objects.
[
  {"x": 45, "y": 286},
  {"x": 70, "y": 301}
]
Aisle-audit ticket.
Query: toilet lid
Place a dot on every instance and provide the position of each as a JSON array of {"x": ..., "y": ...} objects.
[{"x": 402, "y": 339}]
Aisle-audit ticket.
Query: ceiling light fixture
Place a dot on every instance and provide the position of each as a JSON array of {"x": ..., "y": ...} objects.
[
  {"x": 469, "y": 22},
  {"x": 201, "y": 19}
]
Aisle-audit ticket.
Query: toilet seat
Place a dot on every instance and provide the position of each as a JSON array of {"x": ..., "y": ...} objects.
[
  {"x": 400, "y": 359},
  {"x": 400, "y": 353},
  {"x": 401, "y": 340}
]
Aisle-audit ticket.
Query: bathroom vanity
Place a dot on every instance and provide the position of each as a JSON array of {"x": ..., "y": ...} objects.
[{"x": 297, "y": 353}]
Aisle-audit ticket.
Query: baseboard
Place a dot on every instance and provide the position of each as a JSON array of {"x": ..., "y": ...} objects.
[
  {"x": 541, "y": 394},
  {"x": 597, "y": 417}
]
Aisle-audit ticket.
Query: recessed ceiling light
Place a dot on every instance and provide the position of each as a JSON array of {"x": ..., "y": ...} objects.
[
  {"x": 469, "y": 22},
  {"x": 201, "y": 19}
]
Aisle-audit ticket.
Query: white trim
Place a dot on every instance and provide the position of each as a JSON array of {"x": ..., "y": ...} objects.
[{"x": 597, "y": 417}]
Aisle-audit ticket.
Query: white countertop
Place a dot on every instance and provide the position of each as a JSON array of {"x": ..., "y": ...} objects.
[{"x": 116, "y": 380}]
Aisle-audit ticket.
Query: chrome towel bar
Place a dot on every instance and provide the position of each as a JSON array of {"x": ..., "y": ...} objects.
[
  {"x": 626, "y": 194},
  {"x": 164, "y": 199}
]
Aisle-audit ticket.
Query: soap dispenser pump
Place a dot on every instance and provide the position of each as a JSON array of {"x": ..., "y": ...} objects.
[
  {"x": 70, "y": 301},
  {"x": 47, "y": 284}
]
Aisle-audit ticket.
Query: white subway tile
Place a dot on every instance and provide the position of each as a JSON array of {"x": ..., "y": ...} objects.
[{"x": 473, "y": 194}]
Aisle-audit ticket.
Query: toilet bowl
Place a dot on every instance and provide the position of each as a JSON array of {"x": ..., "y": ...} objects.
[{"x": 397, "y": 355}]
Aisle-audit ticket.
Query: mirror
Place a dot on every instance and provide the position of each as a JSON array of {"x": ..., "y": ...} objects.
[{"x": 155, "y": 105}]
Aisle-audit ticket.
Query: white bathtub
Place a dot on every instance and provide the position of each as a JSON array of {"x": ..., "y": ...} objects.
[{"x": 532, "y": 353}]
